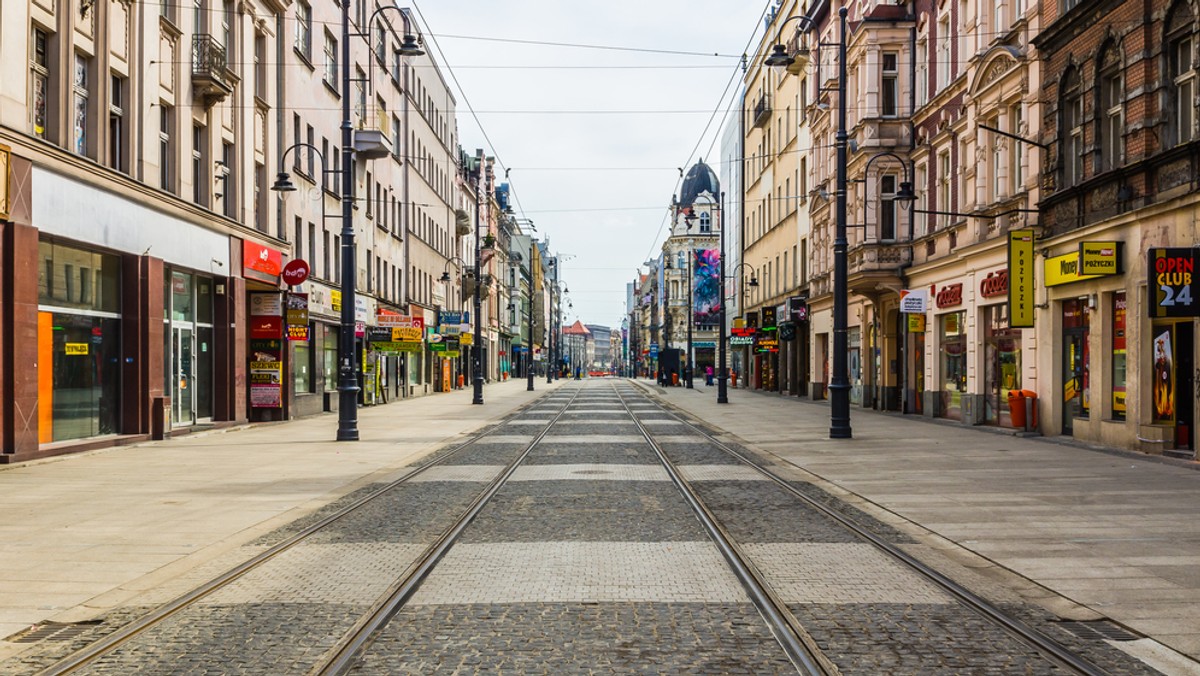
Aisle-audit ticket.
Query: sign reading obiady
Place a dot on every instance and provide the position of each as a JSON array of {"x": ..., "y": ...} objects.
[
  {"x": 1020, "y": 279},
  {"x": 1172, "y": 282}
]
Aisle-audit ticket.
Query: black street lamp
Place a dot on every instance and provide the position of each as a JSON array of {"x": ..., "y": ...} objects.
[
  {"x": 722, "y": 386},
  {"x": 552, "y": 291},
  {"x": 477, "y": 344},
  {"x": 445, "y": 279},
  {"x": 347, "y": 376},
  {"x": 688, "y": 220}
]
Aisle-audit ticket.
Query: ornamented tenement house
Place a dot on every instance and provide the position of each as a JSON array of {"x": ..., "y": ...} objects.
[
  {"x": 1120, "y": 120},
  {"x": 135, "y": 141}
]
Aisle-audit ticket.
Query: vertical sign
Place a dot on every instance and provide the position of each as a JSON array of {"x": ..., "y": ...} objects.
[
  {"x": 1020, "y": 279},
  {"x": 1172, "y": 278}
]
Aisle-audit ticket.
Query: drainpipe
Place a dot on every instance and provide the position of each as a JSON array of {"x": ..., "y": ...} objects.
[{"x": 279, "y": 135}]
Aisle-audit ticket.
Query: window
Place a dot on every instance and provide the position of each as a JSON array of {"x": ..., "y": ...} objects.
[
  {"x": 1072, "y": 131},
  {"x": 943, "y": 52},
  {"x": 296, "y": 154},
  {"x": 325, "y": 255},
  {"x": 337, "y": 169},
  {"x": 1017, "y": 150},
  {"x": 325, "y": 174},
  {"x": 331, "y": 61},
  {"x": 1112, "y": 110},
  {"x": 360, "y": 97},
  {"x": 381, "y": 43},
  {"x": 199, "y": 174},
  {"x": 887, "y": 208},
  {"x": 227, "y": 31},
  {"x": 312, "y": 245},
  {"x": 367, "y": 189},
  {"x": 922, "y": 72},
  {"x": 337, "y": 268},
  {"x": 166, "y": 149},
  {"x": 304, "y": 30},
  {"x": 260, "y": 197},
  {"x": 80, "y": 87},
  {"x": 260, "y": 66},
  {"x": 1118, "y": 355},
  {"x": 117, "y": 140},
  {"x": 228, "y": 184},
  {"x": 943, "y": 187},
  {"x": 705, "y": 224},
  {"x": 889, "y": 93},
  {"x": 40, "y": 81},
  {"x": 1180, "y": 47},
  {"x": 311, "y": 136},
  {"x": 396, "y": 138},
  {"x": 997, "y": 161}
]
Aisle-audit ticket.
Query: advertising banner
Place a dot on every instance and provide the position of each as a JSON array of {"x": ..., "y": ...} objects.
[
  {"x": 1064, "y": 269},
  {"x": 296, "y": 308},
  {"x": 261, "y": 263},
  {"x": 706, "y": 286},
  {"x": 1100, "y": 258},
  {"x": 1020, "y": 279},
  {"x": 266, "y": 373},
  {"x": 1172, "y": 282}
]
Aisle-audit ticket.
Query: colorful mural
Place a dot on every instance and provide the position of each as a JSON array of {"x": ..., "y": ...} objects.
[{"x": 706, "y": 282}]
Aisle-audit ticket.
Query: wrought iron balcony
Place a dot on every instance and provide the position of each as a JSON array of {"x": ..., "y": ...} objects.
[
  {"x": 211, "y": 79},
  {"x": 762, "y": 110}
]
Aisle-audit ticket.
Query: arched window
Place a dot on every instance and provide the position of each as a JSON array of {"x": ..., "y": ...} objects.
[
  {"x": 1110, "y": 112},
  {"x": 1181, "y": 65},
  {"x": 705, "y": 223},
  {"x": 1071, "y": 132}
]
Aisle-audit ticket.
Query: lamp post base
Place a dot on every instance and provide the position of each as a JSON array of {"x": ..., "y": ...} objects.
[{"x": 722, "y": 390}]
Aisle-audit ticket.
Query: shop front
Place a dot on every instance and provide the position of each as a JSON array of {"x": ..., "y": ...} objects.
[
  {"x": 189, "y": 345},
  {"x": 78, "y": 342},
  {"x": 1001, "y": 349}
]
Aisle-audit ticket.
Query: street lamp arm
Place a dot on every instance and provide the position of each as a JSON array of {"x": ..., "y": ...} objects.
[
  {"x": 311, "y": 148},
  {"x": 1022, "y": 139}
]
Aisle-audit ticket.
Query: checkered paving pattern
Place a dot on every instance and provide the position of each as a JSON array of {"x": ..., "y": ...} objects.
[{"x": 581, "y": 572}]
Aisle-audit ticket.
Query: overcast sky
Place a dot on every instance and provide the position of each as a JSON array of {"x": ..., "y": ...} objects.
[{"x": 597, "y": 182}]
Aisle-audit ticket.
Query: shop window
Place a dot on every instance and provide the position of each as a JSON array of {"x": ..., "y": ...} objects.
[
  {"x": 329, "y": 356},
  {"x": 954, "y": 363},
  {"x": 302, "y": 366},
  {"x": 1076, "y": 318},
  {"x": 40, "y": 76},
  {"x": 1163, "y": 390},
  {"x": 78, "y": 279},
  {"x": 1118, "y": 355}
]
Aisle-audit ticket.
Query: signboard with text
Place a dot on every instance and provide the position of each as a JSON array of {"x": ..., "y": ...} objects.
[
  {"x": 1172, "y": 282},
  {"x": 1100, "y": 258},
  {"x": 1020, "y": 279},
  {"x": 913, "y": 300}
]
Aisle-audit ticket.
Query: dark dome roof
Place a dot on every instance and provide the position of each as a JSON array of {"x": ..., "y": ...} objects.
[{"x": 700, "y": 178}]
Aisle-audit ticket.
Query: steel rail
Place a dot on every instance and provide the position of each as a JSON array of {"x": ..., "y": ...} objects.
[
  {"x": 343, "y": 656},
  {"x": 88, "y": 654},
  {"x": 800, "y": 648},
  {"x": 1045, "y": 645}
]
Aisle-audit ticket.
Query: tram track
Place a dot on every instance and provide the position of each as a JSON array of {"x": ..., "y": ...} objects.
[
  {"x": 1050, "y": 649},
  {"x": 80, "y": 660}
]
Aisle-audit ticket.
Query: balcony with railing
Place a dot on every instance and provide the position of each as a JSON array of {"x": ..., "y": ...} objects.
[
  {"x": 762, "y": 110},
  {"x": 211, "y": 79},
  {"x": 877, "y": 262}
]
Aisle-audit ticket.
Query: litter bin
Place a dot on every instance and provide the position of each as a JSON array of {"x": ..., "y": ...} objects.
[{"x": 1022, "y": 407}]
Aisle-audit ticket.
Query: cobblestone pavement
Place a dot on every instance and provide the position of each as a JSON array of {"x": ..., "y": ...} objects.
[{"x": 588, "y": 560}]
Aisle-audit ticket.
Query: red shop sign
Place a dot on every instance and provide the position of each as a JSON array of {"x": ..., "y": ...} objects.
[
  {"x": 950, "y": 295},
  {"x": 295, "y": 272},
  {"x": 995, "y": 284},
  {"x": 266, "y": 327},
  {"x": 261, "y": 262}
]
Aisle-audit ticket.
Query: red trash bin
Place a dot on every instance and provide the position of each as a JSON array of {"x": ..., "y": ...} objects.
[{"x": 1016, "y": 408}]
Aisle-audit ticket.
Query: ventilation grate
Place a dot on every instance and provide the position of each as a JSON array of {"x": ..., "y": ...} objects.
[
  {"x": 1098, "y": 630},
  {"x": 52, "y": 631}
]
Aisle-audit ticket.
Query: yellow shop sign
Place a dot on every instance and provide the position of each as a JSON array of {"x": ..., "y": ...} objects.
[
  {"x": 1100, "y": 258},
  {"x": 1064, "y": 270}
]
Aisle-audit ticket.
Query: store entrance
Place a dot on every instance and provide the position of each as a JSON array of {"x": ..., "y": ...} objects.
[{"x": 183, "y": 408}]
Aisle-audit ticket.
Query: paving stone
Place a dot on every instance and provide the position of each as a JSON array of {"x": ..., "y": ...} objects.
[
  {"x": 592, "y": 472},
  {"x": 478, "y": 473},
  {"x": 803, "y": 572},
  {"x": 627, "y": 638},
  {"x": 720, "y": 473},
  {"x": 521, "y": 572},
  {"x": 551, "y": 451},
  {"x": 588, "y": 511}
]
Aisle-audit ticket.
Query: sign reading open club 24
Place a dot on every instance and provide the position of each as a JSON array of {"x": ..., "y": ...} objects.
[{"x": 1172, "y": 282}]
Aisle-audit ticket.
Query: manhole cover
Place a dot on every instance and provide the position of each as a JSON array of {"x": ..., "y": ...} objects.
[
  {"x": 51, "y": 631},
  {"x": 1098, "y": 630}
]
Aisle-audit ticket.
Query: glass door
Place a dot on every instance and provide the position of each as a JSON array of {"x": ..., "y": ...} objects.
[
  {"x": 182, "y": 387},
  {"x": 1075, "y": 362}
]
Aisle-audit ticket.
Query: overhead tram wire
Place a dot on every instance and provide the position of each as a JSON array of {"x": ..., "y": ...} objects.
[{"x": 708, "y": 125}]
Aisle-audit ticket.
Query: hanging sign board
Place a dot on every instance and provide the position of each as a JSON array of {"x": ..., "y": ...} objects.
[
  {"x": 1064, "y": 269},
  {"x": 1172, "y": 282},
  {"x": 1020, "y": 279},
  {"x": 913, "y": 300},
  {"x": 1100, "y": 258}
]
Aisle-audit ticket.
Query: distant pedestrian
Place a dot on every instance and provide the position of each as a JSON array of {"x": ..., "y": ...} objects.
[{"x": 708, "y": 373}]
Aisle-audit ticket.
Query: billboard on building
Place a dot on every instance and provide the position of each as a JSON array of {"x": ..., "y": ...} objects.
[{"x": 706, "y": 285}]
